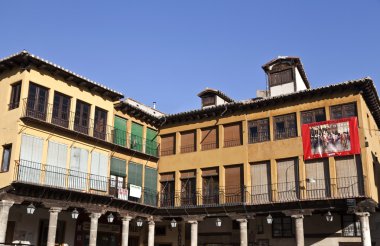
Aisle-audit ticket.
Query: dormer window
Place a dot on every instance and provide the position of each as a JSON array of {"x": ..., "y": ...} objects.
[
  {"x": 281, "y": 77},
  {"x": 208, "y": 101}
]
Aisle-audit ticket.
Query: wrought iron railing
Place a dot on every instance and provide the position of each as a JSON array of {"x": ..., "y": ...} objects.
[
  {"x": 285, "y": 133},
  {"x": 46, "y": 175},
  {"x": 71, "y": 121},
  {"x": 231, "y": 142},
  {"x": 259, "y": 137}
]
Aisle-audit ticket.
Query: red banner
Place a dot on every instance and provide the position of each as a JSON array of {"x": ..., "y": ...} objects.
[{"x": 330, "y": 138}]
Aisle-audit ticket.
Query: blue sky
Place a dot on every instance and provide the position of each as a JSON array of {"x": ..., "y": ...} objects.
[{"x": 169, "y": 50}]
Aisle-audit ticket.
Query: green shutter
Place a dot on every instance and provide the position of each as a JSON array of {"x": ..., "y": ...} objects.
[
  {"x": 118, "y": 167},
  {"x": 150, "y": 186},
  {"x": 120, "y": 131},
  {"x": 135, "y": 174},
  {"x": 136, "y": 136},
  {"x": 151, "y": 142}
]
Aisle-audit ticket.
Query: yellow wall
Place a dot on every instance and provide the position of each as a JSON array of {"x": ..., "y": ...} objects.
[{"x": 272, "y": 150}]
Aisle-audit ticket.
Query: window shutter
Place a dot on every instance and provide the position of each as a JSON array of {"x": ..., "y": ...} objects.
[
  {"x": 151, "y": 141},
  {"x": 56, "y": 164},
  {"x": 164, "y": 177},
  {"x": 78, "y": 168},
  {"x": 287, "y": 183},
  {"x": 317, "y": 177},
  {"x": 118, "y": 167},
  {"x": 260, "y": 180},
  {"x": 150, "y": 188},
  {"x": 120, "y": 134},
  {"x": 232, "y": 135},
  {"x": 135, "y": 174},
  {"x": 214, "y": 171},
  {"x": 168, "y": 144},
  {"x": 209, "y": 138},
  {"x": 348, "y": 174},
  {"x": 187, "y": 142},
  {"x": 136, "y": 137},
  {"x": 30, "y": 158}
]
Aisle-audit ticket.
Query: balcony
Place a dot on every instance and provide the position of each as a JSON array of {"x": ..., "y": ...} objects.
[
  {"x": 68, "y": 121},
  {"x": 308, "y": 190},
  {"x": 33, "y": 173}
]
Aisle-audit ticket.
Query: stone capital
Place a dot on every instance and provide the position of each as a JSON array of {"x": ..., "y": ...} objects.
[
  {"x": 362, "y": 214},
  {"x": 192, "y": 221},
  {"x": 6, "y": 203},
  {"x": 126, "y": 218},
  {"x": 242, "y": 220},
  {"x": 297, "y": 216},
  {"x": 151, "y": 222},
  {"x": 55, "y": 210},
  {"x": 95, "y": 215}
]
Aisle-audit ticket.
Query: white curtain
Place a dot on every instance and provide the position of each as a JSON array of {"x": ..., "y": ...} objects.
[
  {"x": 99, "y": 171},
  {"x": 56, "y": 164},
  {"x": 78, "y": 168},
  {"x": 30, "y": 159},
  {"x": 260, "y": 180},
  {"x": 287, "y": 183}
]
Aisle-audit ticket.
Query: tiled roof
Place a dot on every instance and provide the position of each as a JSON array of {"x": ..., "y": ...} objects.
[
  {"x": 24, "y": 58},
  {"x": 364, "y": 85}
]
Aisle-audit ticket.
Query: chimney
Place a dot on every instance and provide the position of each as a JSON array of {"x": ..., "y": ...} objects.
[{"x": 154, "y": 105}]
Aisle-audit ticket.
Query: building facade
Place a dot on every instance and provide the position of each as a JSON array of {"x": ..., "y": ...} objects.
[{"x": 80, "y": 166}]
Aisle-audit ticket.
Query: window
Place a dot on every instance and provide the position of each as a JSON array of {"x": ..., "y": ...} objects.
[
  {"x": 311, "y": 116},
  {"x": 350, "y": 226},
  {"x": 167, "y": 189},
  {"x": 281, "y": 77},
  {"x": 61, "y": 110},
  {"x": 232, "y": 135},
  {"x": 100, "y": 123},
  {"x": 209, "y": 138},
  {"x": 7, "y": 150},
  {"x": 168, "y": 145},
  {"x": 15, "y": 96},
  {"x": 136, "y": 136},
  {"x": 188, "y": 142},
  {"x": 343, "y": 111},
  {"x": 210, "y": 185},
  {"x": 285, "y": 126},
  {"x": 151, "y": 142},
  {"x": 208, "y": 101},
  {"x": 37, "y": 102},
  {"x": 82, "y": 116},
  {"x": 188, "y": 188},
  {"x": 258, "y": 130},
  {"x": 287, "y": 179},
  {"x": 282, "y": 227}
]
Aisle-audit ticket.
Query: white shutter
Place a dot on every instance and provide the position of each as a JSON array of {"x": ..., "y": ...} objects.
[
  {"x": 348, "y": 175},
  {"x": 260, "y": 180},
  {"x": 56, "y": 164},
  {"x": 317, "y": 178},
  {"x": 98, "y": 171},
  {"x": 30, "y": 159},
  {"x": 78, "y": 169},
  {"x": 287, "y": 185}
]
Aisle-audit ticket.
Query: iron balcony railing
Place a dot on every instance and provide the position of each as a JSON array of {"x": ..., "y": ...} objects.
[
  {"x": 311, "y": 189},
  {"x": 283, "y": 133},
  {"x": 46, "y": 175},
  {"x": 69, "y": 120},
  {"x": 306, "y": 190}
]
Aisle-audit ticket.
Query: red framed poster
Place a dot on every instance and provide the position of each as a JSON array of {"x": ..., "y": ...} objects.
[{"x": 331, "y": 138}]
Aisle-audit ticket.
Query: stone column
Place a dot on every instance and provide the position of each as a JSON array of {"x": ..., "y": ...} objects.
[
  {"x": 94, "y": 228},
  {"x": 53, "y": 219},
  {"x": 243, "y": 232},
  {"x": 364, "y": 225},
  {"x": 125, "y": 230},
  {"x": 194, "y": 232},
  {"x": 151, "y": 233},
  {"x": 5, "y": 205},
  {"x": 300, "y": 241}
]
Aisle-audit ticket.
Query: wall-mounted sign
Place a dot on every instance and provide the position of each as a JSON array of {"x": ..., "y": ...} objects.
[
  {"x": 134, "y": 191},
  {"x": 122, "y": 194},
  {"x": 330, "y": 138}
]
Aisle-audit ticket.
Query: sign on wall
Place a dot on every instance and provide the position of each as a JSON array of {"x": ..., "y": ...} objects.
[{"x": 330, "y": 138}]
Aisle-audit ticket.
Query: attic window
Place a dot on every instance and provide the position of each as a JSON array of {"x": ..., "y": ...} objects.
[
  {"x": 281, "y": 77},
  {"x": 208, "y": 101}
]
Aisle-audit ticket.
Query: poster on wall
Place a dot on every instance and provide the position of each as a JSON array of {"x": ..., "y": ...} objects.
[{"x": 330, "y": 138}]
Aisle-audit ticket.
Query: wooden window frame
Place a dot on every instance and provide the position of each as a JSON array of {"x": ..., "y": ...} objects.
[
  {"x": 82, "y": 123},
  {"x": 189, "y": 147},
  {"x": 100, "y": 123},
  {"x": 15, "y": 95},
  {"x": 208, "y": 101},
  {"x": 7, "y": 147},
  {"x": 168, "y": 151},
  {"x": 234, "y": 141},
  {"x": 60, "y": 116},
  {"x": 263, "y": 134},
  {"x": 288, "y": 131},
  {"x": 343, "y": 109},
  {"x": 282, "y": 227},
  {"x": 279, "y": 77},
  {"x": 313, "y": 115},
  {"x": 36, "y": 108}
]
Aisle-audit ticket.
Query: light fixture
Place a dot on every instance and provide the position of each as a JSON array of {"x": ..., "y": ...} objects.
[
  {"x": 74, "y": 214},
  {"x": 173, "y": 223},
  {"x": 139, "y": 222},
  {"x": 218, "y": 222},
  {"x": 110, "y": 218},
  {"x": 311, "y": 180},
  {"x": 329, "y": 217},
  {"x": 269, "y": 219},
  {"x": 30, "y": 209}
]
